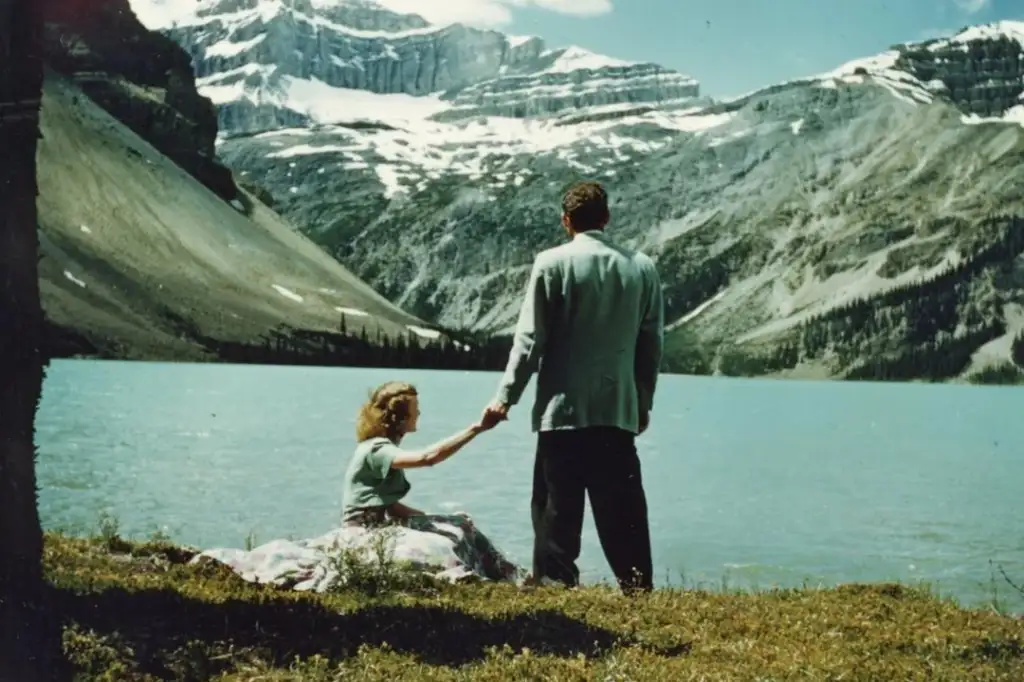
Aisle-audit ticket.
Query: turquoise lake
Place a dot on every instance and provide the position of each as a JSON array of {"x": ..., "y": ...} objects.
[{"x": 752, "y": 482}]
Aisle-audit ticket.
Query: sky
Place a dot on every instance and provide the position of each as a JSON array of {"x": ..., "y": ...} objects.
[{"x": 730, "y": 46}]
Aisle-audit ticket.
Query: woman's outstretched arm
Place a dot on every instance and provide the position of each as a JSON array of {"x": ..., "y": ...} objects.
[{"x": 442, "y": 450}]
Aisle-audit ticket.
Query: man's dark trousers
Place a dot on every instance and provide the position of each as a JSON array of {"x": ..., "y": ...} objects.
[{"x": 602, "y": 463}]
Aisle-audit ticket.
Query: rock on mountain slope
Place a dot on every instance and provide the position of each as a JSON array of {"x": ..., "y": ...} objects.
[
  {"x": 143, "y": 78},
  {"x": 860, "y": 223},
  {"x": 144, "y": 261},
  {"x": 267, "y": 63}
]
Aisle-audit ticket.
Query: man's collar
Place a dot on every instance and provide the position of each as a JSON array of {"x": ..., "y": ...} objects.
[{"x": 599, "y": 235}]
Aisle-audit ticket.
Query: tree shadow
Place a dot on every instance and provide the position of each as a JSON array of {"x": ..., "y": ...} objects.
[{"x": 155, "y": 622}]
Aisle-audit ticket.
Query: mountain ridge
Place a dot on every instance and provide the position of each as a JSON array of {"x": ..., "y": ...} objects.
[
  {"x": 769, "y": 214},
  {"x": 269, "y": 63}
]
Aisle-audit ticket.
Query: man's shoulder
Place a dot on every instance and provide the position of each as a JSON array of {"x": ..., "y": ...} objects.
[
  {"x": 645, "y": 262},
  {"x": 642, "y": 257},
  {"x": 553, "y": 258},
  {"x": 555, "y": 252},
  {"x": 550, "y": 258}
]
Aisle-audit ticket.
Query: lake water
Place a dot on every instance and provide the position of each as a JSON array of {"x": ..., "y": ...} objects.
[{"x": 757, "y": 482}]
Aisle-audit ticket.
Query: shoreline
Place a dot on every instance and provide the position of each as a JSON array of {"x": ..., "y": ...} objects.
[
  {"x": 998, "y": 590},
  {"x": 965, "y": 382},
  {"x": 138, "y": 612}
]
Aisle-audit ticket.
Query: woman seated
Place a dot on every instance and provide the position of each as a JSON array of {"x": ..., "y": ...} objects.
[{"x": 375, "y": 482}]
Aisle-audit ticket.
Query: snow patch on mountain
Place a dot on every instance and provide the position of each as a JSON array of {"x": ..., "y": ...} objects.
[
  {"x": 490, "y": 150},
  {"x": 998, "y": 29},
  {"x": 882, "y": 68},
  {"x": 516, "y": 41},
  {"x": 575, "y": 58},
  {"x": 160, "y": 14}
]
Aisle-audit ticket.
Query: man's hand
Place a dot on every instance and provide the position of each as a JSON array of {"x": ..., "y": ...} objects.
[
  {"x": 493, "y": 414},
  {"x": 497, "y": 411},
  {"x": 645, "y": 421},
  {"x": 488, "y": 420}
]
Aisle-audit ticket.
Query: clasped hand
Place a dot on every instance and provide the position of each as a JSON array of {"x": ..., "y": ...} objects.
[{"x": 493, "y": 414}]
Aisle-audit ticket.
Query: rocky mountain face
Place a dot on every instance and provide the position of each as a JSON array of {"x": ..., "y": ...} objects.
[
  {"x": 142, "y": 78},
  {"x": 139, "y": 260},
  {"x": 863, "y": 223},
  {"x": 268, "y": 63},
  {"x": 981, "y": 70},
  {"x": 148, "y": 248}
]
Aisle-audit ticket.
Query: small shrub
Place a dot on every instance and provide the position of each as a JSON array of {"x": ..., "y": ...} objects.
[
  {"x": 160, "y": 536},
  {"x": 109, "y": 528},
  {"x": 378, "y": 573}
]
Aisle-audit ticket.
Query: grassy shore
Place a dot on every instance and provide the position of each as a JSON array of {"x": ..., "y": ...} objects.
[{"x": 139, "y": 611}]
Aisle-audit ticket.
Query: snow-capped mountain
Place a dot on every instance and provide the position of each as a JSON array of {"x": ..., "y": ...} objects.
[
  {"x": 267, "y": 63},
  {"x": 801, "y": 228},
  {"x": 980, "y": 70}
]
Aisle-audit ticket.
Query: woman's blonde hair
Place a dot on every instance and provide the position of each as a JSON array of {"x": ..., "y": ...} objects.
[{"x": 385, "y": 413}]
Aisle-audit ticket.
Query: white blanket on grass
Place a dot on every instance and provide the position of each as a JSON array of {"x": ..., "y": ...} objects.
[{"x": 447, "y": 547}]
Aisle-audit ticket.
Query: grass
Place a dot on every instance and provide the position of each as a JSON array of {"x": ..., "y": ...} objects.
[{"x": 138, "y": 611}]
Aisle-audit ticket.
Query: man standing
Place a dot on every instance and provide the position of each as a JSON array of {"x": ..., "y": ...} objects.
[{"x": 591, "y": 326}]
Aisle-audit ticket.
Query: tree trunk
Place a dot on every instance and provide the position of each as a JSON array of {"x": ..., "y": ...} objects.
[{"x": 29, "y": 631}]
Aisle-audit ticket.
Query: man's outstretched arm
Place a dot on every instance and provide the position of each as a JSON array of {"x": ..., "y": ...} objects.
[
  {"x": 650, "y": 345},
  {"x": 528, "y": 342}
]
